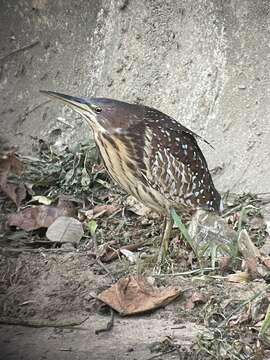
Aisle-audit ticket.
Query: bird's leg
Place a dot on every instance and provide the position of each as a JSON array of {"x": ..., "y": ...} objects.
[{"x": 168, "y": 223}]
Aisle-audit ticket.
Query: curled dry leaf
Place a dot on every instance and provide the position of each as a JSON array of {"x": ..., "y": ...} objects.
[
  {"x": 266, "y": 262},
  {"x": 134, "y": 294},
  {"x": 138, "y": 208},
  {"x": 224, "y": 263},
  {"x": 100, "y": 210},
  {"x": 193, "y": 299},
  {"x": 265, "y": 249},
  {"x": 66, "y": 230},
  {"x": 41, "y": 199},
  {"x": 36, "y": 217},
  {"x": 238, "y": 277},
  {"x": 9, "y": 163},
  {"x": 244, "y": 316},
  {"x": 255, "y": 267},
  {"x": 208, "y": 230},
  {"x": 246, "y": 246},
  {"x": 111, "y": 254}
]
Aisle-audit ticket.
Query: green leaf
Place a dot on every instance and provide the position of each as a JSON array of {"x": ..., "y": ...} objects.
[
  {"x": 183, "y": 229},
  {"x": 92, "y": 227},
  {"x": 266, "y": 322}
]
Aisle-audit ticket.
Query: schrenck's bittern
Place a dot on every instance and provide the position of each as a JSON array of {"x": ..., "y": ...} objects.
[{"x": 150, "y": 155}]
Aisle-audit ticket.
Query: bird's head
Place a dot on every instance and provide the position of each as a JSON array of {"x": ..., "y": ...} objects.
[{"x": 101, "y": 114}]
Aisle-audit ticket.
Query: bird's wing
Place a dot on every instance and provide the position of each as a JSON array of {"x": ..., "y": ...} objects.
[
  {"x": 194, "y": 135},
  {"x": 177, "y": 167}
]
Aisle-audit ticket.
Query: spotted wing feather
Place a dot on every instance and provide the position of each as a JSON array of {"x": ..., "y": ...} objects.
[{"x": 176, "y": 165}]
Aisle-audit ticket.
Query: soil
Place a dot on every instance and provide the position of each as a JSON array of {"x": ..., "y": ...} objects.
[
  {"x": 55, "y": 293},
  {"x": 49, "y": 311}
]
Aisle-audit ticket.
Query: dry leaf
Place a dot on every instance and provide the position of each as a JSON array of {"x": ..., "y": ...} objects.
[
  {"x": 138, "y": 208},
  {"x": 100, "y": 210},
  {"x": 16, "y": 193},
  {"x": 129, "y": 255},
  {"x": 266, "y": 262},
  {"x": 36, "y": 217},
  {"x": 112, "y": 254},
  {"x": 265, "y": 249},
  {"x": 243, "y": 317},
  {"x": 246, "y": 246},
  {"x": 224, "y": 263},
  {"x": 250, "y": 265},
  {"x": 133, "y": 295},
  {"x": 66, "y": 230},
  {"x": 238, "y": 277},
  {"x": 41, "y": 199},
  {"x": 193, "y": 299},
  {"x": 9, "y": 163},
  {"x": 256, "y": 267}
]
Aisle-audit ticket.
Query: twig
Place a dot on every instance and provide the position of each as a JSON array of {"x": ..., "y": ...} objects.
[
  {"x": 10, "y": 250},
  {"x": 164, "y": 353},
  {"x": 114, "y": 254},
  {"x": 227, "y": 319},
  {"x": 40, "y": 324},
  {"x": 109, "y": 325},
  {"x": 195, "y": 271},
  {"x": 62, "y": 120},
  {"x": 36, "y": 107},
  {"x": 16, "y": 51},
  {"x": 100, "y": 263},
  {"x": 232, "y": 210}
]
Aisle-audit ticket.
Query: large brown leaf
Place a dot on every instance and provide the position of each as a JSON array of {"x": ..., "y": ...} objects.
[
  {"x": 134, "y": 294},
  {"x": 9, "y": 163},
  {"x": 36, "y": 217}
]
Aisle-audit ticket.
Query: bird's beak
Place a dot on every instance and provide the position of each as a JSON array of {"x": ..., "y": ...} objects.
[{"x": 78, "y": 104}]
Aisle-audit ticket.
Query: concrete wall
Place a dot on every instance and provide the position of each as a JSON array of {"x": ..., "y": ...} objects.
[{"x": 205, "y": 62}]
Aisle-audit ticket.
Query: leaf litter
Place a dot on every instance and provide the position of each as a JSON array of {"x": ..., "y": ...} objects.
[
  {"x": 134, "y": 295},
  {"x": 11, "y": 165},
  {"x": 74, "y": 185}
]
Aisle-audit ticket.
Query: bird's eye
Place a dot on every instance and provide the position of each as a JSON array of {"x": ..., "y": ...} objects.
[{"x": 98, "y": 110}]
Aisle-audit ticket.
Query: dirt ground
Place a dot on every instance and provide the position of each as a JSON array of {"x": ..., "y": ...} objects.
[
  {"x": 57, "y": 291},
  {"x": 53, "y": 294}
]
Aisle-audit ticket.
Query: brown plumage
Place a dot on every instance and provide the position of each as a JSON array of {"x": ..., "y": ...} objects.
[{"x": 150, "y": 155}]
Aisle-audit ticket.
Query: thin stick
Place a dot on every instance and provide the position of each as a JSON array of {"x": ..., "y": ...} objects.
[
  {"x": 164, "y": 353},
  {"x": 40, "y": 324},
  {"x": 16, "y": 51},
  {"x": 36, "y": 107},
  {"x": 244, "y": 303},
  {"x": 10, "y": 250},
  {"x": 187, "y": 272},
  {"x": 100, "y": 263},
  {"x": 109, "y": 325}
]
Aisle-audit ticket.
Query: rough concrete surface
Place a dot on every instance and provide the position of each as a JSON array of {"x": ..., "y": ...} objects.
[{"x": 206, "y": 63}]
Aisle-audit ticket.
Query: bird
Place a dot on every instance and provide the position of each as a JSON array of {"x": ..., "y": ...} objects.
[{"x": 150, "y": 155}]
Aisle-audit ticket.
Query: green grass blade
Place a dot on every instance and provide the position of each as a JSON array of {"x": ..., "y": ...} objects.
[
  {"x": 266, "y": 322},
  {"x": 187, "y": 238}
]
